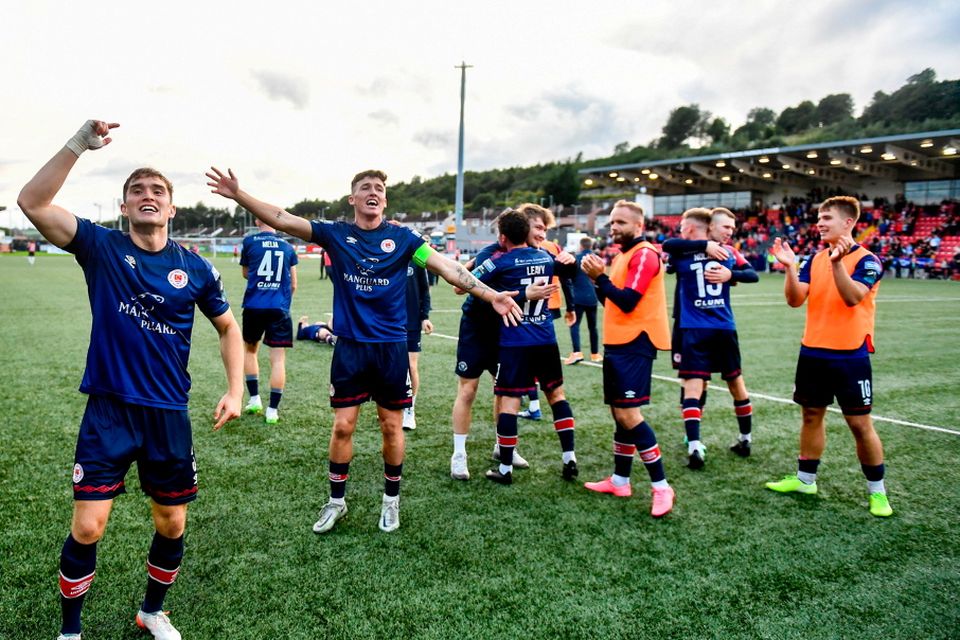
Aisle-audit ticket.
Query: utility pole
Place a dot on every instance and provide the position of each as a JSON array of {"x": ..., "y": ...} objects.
[{"x": 458, "y": 206}]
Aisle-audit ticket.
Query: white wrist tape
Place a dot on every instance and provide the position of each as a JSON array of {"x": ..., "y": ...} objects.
[{"x": 85, "y": 138}]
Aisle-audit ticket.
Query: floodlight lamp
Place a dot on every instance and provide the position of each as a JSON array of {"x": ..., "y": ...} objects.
[
  {"x": 887, "y": 156},
  {"x": 811, "y": 154},
  {"x": 950, "y": 151},
  {"x": 836, "y": 162},
  {"x": 721, "y": 164},
  {"x": 764, "y": 160},
  {"x": 614, "y": 174},
  {"x": 866, "y": 149},
  {"x": 688, "y": 181},
  {"x": 645, "y": 171},
  {"x": 653, "y": 176},
  {"x": 725, "y": 179},
  {"x": 588, "y": 182},
  {"x": 621, "y": 179},
  {"x": 926, "y": 144},
  {"x": 767, "y": 175},
  {"x": 786, "y": 166}
]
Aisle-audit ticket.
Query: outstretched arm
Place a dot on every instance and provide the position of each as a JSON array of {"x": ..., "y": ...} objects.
[
  {"x": 454, "y": 273},
  {"x": 55, "y": 223},
  {"x": 228, "y": 186},
  {"x": 231, "y": 351},
  {"x": 794, "y": 290}
]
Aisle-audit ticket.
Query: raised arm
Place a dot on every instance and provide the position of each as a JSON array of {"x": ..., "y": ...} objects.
[
  {"x": 454, "y": 273},
  {"x": 850, "y": 290},
  {"x": 228, "y": 186},
  {"x": 55, "y": 223},
  {"x": 794, "y": 290}
]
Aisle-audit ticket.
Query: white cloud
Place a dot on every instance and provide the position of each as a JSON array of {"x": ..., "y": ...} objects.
[{"x": 299, "y": 98}]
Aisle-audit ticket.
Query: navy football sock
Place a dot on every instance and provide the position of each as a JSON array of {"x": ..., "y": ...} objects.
[
  {"x": 163, "y": 565},
  {"x": 78, "y": 565}
]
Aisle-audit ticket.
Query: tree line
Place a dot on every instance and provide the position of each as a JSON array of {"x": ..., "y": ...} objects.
[{"x": 922, "y": 104}]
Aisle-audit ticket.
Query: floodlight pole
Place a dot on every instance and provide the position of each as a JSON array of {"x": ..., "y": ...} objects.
[{"x": 458, "y": 206}]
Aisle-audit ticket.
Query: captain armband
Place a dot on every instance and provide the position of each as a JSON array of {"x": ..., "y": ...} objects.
[{"x": 421, "y": 255}]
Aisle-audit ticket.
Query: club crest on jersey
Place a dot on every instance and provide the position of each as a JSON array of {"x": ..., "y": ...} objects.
[
  {"x": 409, "y": 271},
  {"x": 388, "y": 246},
  {"x": 461, "y": 366},
  {"x": 77, "y": 473},
  {"x": 178, "y": 278},
  {"x": 130, "y": 260}
]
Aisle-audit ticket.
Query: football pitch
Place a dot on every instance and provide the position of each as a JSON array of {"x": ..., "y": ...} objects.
[{"x": 540, "y": 559}]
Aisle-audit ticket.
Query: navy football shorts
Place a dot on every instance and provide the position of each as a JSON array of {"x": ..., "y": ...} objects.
[
  {"x": 477, "y": 347},
  {"x": 114, "y": 434},
  {"x": 850, "y": 380},
  {"x": 709, "y": 350},
  {"x": 676, "y": 345},
  {"x": 273, "y": 325},
  {"x": 626, "y": 378},
  {"x": 521, "y": 368},
  {"x": 364, "y": 370}
]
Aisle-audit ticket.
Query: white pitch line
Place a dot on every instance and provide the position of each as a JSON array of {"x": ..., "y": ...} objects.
[{"x": 764, "y": 396}]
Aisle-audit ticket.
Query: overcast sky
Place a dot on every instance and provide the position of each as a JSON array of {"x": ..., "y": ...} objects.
[{"x": 298, "y": 96}]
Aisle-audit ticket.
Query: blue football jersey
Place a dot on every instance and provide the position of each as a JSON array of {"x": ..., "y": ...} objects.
[
  {"x": 268, "y": 259},
  {"x": 702, "y": 304},
  {"x": 513, "y": 271},
  {"x": 142, "y": 305},
  {"x": 369, "y": 274}
]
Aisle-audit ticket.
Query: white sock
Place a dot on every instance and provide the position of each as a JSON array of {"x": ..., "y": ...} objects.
[
  {"x": 744, "y": 437},
  {"x": 387, "y": 498},
  {"x": 534, "y": 405},
  {"x": 568, "y": 456},
  {"x": 692, "y": 446},
  {"x": 506, "y": 468},
  {"x": 876, "y": 486},
  {"x": 254, "y": 399},
  {"x": 660, "y": 484},
  {"x": 339, "y": 501},
  {"x": 460, "y": 443},
  {"x": 807, "y": 478},
  {"x": 619, "y": 481}
]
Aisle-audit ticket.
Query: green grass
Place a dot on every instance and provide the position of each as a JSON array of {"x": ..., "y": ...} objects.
[{"x": 540, "y": 559}]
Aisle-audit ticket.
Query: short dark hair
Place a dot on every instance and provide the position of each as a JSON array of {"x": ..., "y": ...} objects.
[
  {"x": 369, "y": 173},
  {"x": 850, "y": 207},
  {"x": 514, "y": 225},
  {"x": 147, "y": 172}
]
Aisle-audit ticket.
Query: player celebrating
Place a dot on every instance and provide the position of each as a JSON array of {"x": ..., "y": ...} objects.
[
  {"x": 707, "y": 330},
  {"x": 266, "y": 312},
  {"x": 528, "y": 351},
  {"x": 634, "y": 328},
  {"x": 840, "y": 286},
  {"x": 143, "y": 289},
  {"x": 369, "y": 259}
]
